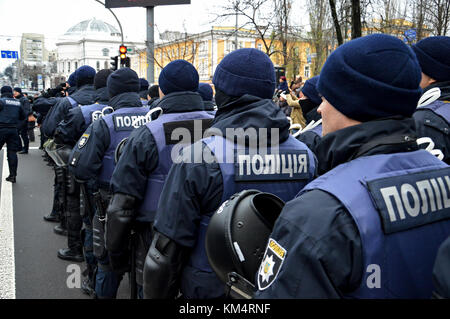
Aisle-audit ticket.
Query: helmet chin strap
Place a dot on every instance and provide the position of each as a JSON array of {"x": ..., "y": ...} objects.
[{"x": 429, "y": 97}]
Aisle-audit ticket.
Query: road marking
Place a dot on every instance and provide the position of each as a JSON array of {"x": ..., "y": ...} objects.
[{"x": 7, "y": 265}]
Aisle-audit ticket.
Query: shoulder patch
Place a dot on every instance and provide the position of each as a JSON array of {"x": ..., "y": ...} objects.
[
  {"x": 271, "y": 264},
  {"x": 83, "y": 140},
  {"x": 411, "y": 200}
]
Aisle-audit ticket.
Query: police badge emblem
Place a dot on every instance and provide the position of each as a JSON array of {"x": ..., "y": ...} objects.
[
  {"x": 83, "y": 141},
  {"x": 270, "y": 266}
]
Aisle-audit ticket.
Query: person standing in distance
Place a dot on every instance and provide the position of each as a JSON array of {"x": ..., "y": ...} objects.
[{"x": 11, "y": 113}]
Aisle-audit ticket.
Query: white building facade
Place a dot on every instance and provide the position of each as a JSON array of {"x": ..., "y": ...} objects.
[{"x": 91, "y": 42}]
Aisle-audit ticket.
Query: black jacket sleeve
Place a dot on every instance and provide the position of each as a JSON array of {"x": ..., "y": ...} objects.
[
  {"x": 86, "y": 159},
  {"x": 192, "y": 189},
  {"x": 138, "y": 160},
  {"x": 324, "y": 251},
  {"x": 71, "y": 128}
]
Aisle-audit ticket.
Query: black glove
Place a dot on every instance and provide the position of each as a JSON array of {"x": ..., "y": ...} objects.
[{"x": 119, "y": 217}]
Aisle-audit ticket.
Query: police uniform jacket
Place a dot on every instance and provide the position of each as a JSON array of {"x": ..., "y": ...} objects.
[
  {"x": 195, "y": 188},
  {"x": 324, "y": 256},
  {"x": 25, "y": 104},
  {"x": 85, "y": 95},
  {"x": 72, "y": 127},
  {"x": 42, "y": 106},
  {"x": 140, "y": 155},
  {"x": 429, "y": 124},
  {"x": 88, "y": 157},
  {"x": 11, "y": 112}
]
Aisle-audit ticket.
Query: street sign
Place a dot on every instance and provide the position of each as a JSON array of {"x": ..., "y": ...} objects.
[
  {"x": 411, "y": 34},
  {"x": 142, "y": 3},
  {"x": 40, "y": 83},
  {"x": 10, "y": 55}
]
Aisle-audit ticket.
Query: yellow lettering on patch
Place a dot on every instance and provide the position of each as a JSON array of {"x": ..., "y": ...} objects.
[
  {"x": 276, "y": 248},
  {"x": 86, "y": 135}
]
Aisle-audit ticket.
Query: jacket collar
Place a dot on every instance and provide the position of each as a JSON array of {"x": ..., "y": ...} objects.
[
  {"x": 250, "y": 111},
  {"x": 102, "y": 95},
  {"x": 179, "y": 102},
  {"x": 384, "y": 136},
  {"x": 127, "y": 99}
]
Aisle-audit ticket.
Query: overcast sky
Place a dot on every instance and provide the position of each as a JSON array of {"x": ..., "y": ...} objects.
[{"x": 54, "y": 17}]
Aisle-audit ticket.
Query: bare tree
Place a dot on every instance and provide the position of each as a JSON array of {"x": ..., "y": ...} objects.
[
  {"x": 336, "y": 23},
  {"x": 356, "y": 19},
  {"x": 258, "y": 16},
  {"x": 319, "y": 18},
  {"x": 283, "y": 10},
  {"x": 176, "y": 45},
  {"x": 439, "y": 11},
  {"x": 9, "y": 72}
]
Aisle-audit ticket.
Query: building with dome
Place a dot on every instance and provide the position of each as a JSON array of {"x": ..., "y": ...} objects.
[{"x": 91, "y": 42}]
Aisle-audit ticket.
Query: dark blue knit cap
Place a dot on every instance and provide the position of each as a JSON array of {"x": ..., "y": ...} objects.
[
  {"x": 85, "y": 72},
  {"x": 72, "y": 79},
  {"x": 434, "y": 57},
  {"x": 310, "y": 91},
  {"x": 6, "y": 89},
  {"x": 246, "y": 71},
  {"x": 121, "y": 81},
  {"x": 18, "y": 90},
  {"x": 178, "y": 76},
  {"x": 205, "y": 91},
  {"x": 143, "y": 84},
  {"x": 372, "y": 77}
]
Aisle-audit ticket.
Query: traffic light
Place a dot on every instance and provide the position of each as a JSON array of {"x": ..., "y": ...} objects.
[
  {"x": 115, "y": 60},
  {"x": 123, "y": 54}
]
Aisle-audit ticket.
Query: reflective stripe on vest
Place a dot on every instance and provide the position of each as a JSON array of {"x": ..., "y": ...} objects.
[
  {"x": 272, "y": 178},
  {"x": 155, "y": 181},
  {"x": 120, "y": 124},
  {"x": 401, "y": 206}
]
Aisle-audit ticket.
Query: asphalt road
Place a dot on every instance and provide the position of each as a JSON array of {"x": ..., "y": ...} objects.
[{"x": 39, "y": 274}]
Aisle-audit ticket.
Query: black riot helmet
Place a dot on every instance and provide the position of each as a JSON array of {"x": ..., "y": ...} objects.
[{"x": 238, "y": 232}]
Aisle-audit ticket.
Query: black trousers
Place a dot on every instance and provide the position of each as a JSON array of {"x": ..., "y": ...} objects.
[
  {"x": 23, "y": 131},
  {"x": 10, "y": 137}
]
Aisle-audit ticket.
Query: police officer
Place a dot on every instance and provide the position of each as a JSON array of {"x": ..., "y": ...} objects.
[
  {"x": 93, "y": 158},
  {"x": 433, "y": 114},
  {"x": 68, "y": 132},
  {"x": 72, "y": 83},
  {"x": 207, "y": 95},
  {"x": 146, "y": 159},
  {"x": 143, "y": 91},
  {"x": 153, "y": 96},
  {"x": 11, "y": 113},
  {"x": 204, "y": 176},
  {"x": 84, "y": 95},
  {"x": 22, "y": 126},
  {"x": 309, "y": 103},
  {"x": 371, "y": 225}
]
